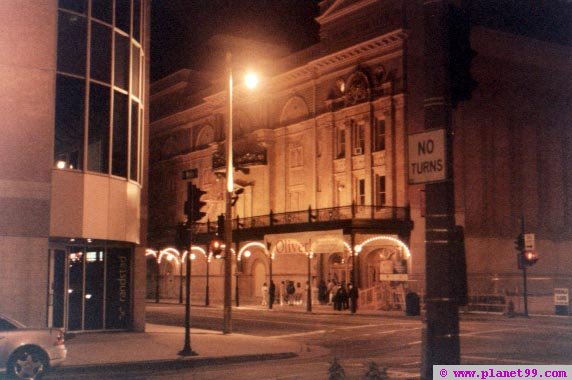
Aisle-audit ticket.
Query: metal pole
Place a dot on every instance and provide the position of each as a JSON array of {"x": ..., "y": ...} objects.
[
  {"x": 236, "y": 287},
  {"x": 181, "y": 282},
  {"x": 227, "y": 308},
  {"x": 525, "y": 289},
  {"x": 187, "y": 350},
  {"x": 157, "y": 275},
  {"x": 270, "y": 275},
  {"x": 440, "y": 335},
  {"x": 207, "y": 301},
  {"x": 309, "y": 295}
]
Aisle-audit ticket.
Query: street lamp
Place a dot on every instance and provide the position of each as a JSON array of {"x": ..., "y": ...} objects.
[
  {"x": 309, "y": 281},
  {"x": 227, "y": 309}
]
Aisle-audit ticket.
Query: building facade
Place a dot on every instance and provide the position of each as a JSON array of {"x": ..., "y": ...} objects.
[
  {"x": 327, "y": 195},
  {"x": 74, "y": 163}
]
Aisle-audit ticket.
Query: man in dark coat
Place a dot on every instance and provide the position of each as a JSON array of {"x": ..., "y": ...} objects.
[
  {"x": 271, "y": 294},
  {"x": 353, "y": 295}
]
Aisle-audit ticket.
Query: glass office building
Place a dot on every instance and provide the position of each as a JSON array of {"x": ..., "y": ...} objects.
[{"x": 82, "y": 217}]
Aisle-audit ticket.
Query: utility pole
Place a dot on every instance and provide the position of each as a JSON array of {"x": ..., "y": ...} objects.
[
  {"x": 227, "y": 286},
  {"x": 440, "y": 339}
]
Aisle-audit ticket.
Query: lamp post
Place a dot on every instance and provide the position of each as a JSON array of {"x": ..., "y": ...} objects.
[
  {"x": 187, "y": 350},
  {"x": 207, "y": 301},
  {"x": 309, "y": 285},
  {"x": 251, "y": 82},
  {"x": 227, "y": 307}
]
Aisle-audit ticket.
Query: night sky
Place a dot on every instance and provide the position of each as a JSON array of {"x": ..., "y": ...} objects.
[{"x": 180, "y": 28}]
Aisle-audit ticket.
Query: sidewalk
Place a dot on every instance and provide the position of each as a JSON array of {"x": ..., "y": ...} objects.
[{"x": 159, "y": 345}]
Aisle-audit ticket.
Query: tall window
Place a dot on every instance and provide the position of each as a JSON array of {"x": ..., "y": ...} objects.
[
  {"x": 380, "y": 194},
  {"x": 98, "y": 121},
  {"x": 360, "y": 191},
  {"x": 296, "y": 157},
  {"x": 358, "y": 138},
  {"x": 340, "y": 143},
  {"x": 379, "y": 135}
]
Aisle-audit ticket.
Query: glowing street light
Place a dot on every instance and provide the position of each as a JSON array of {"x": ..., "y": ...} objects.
[{"x": 251, "y": 82}]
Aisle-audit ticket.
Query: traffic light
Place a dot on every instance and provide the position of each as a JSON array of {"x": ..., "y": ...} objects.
[
  {"x": 460, "y": 56},
  {"x": 216, "y": 248},
  {"x": 182, "y": 237},
  {"x": 519, "y": 243},
  {"x": 193, "y": 205},
  {"x": 529, "y": 258},
  {"x": 235, "y": 195},
  {"x": 220, "y": 226}
]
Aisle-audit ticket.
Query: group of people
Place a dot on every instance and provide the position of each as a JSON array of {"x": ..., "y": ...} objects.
[
  {"x": 339, "y": 295},
  {"x": 288, "y": 293}
]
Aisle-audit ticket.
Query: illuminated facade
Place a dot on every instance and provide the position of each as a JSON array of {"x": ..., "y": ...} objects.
[
  {"x": 74, "y": 163},
  {"x": 325, "y": 140}
]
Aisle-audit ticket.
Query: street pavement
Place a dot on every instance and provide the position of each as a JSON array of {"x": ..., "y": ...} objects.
[{"x": 158, "y": 347}]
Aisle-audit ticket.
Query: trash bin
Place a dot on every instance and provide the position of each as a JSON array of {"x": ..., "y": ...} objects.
[
  {"x": 561, "y": 301},
  {"x": 412, "y": 304}
]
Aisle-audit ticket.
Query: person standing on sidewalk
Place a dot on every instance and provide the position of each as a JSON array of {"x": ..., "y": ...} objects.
[
  {"x": 264, "y": 295},
  {"x": 271, "y": 293},
  {"x": 353, "y": 295},
  {"x": 282, "y": 293}
]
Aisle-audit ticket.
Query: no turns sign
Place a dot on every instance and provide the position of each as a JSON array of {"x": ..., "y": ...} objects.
[{"x": 427, "y": 157}]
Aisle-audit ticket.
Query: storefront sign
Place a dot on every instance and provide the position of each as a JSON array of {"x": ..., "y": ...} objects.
[
  {"x": 561, "y": 297},
  {"x": 393, "y": 277},
  {"x": 118, "y": 310},
  {"x": 303, "y": 242}
]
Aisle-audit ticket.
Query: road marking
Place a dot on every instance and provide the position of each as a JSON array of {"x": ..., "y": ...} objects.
[
  {"x": 492, "y": 331},
  {"x": 299, "y": 334},
  {"x": 496, "y": 359}
]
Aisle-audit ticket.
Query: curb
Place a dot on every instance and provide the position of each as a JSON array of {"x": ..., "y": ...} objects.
[{"x": 171, "y": 364}]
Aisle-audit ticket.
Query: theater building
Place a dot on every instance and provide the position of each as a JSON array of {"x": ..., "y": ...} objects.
[
  {"x": 325, "y": 138},
  {"x": 73, "y": 152}
]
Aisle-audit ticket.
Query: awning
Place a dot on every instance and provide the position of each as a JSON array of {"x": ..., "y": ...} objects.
[{"x": 303, "y": 242}]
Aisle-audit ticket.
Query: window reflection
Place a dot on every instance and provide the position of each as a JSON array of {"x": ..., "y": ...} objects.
[
  {"x": 102, "y": 10},
  {"x": 71, "y": 43},
  {"x": 73, "y": 5},
  {"x": 100, "y": 52},
  {"x": 121, "y": 61},
  {"x": 69, "y": 128},
  {"x": 98, "y": 132},
  {"x": 122, "y": 12},
  {"x": 105, "y": 118},
  {"x": 120, "y": 146}
]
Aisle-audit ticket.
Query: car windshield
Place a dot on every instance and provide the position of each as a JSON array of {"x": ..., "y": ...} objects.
[{"x": 6, "y": 326}]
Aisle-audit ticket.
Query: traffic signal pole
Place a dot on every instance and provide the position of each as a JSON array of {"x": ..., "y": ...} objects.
[
  {"x": 440, "y": 335},
  {"x": 227, "y": 286},
  {"x": 524, "y": 266}
]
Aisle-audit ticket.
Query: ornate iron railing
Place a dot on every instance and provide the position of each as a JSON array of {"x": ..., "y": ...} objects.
[{"x": 310, "y": 215}]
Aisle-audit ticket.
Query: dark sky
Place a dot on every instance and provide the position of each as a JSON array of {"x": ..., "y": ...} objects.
[{"x": 180, "y": 28}]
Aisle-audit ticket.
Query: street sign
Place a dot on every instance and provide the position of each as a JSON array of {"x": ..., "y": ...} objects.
[
  {"x": 427, "y": 157},
  {"x": 529, "y": 242},
  {"x": 561, "y": 297},
  {"x": 190, "y": 173}
]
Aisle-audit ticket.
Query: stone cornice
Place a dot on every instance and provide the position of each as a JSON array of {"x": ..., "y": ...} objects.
[
  {"x": 333, "y": 13},
  {"x": 340, "y": 58}
]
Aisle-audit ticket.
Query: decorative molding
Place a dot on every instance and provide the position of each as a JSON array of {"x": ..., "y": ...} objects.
[
  {"x": 340, "y": 165},
  {"x": 358, "y": 162},
  {"x": 378, "y": 158}
]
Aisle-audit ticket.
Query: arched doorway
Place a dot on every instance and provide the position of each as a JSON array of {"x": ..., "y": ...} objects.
[
  {"x": 259, "y": 278},
  {"x": 340, "y": 267}
]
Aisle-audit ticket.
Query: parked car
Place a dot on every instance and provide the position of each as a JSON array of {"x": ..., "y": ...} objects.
[{"x": 27, "y": 353}]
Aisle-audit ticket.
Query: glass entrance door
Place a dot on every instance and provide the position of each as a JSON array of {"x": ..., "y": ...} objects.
[{"x": 91, "y": 288}]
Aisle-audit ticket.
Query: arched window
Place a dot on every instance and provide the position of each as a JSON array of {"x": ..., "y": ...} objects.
[{"x": 295, "y": 110}]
